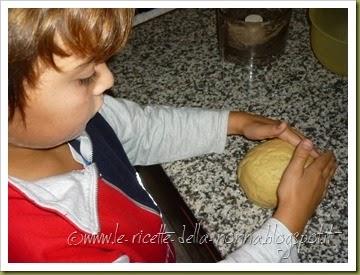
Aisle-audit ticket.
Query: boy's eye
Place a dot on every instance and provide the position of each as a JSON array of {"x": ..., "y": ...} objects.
[{"x": 87, "y": 81}]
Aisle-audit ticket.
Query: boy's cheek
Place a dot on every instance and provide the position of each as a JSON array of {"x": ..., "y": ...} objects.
[{"x": 100, "y": 103}]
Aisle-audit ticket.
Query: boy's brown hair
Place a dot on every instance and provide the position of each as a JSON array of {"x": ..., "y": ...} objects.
[{"x": 88, "y": 33}]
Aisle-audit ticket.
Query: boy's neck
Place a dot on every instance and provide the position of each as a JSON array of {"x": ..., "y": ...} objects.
[{"x": 33, "y": 164}]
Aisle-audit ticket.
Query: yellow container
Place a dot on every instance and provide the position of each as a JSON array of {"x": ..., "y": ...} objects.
[{"x": 329, "y": 38}]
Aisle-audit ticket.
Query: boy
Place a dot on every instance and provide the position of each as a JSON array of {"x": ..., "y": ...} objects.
[{"x": 73, "y": 193}]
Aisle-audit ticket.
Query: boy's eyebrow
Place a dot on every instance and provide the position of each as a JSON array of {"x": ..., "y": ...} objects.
[{"x": 83, "y": 65}]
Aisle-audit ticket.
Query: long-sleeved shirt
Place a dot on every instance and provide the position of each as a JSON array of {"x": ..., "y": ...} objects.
[{"x": 157, "y": 134}]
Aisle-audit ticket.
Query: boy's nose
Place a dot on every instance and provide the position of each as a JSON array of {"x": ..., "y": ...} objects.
[{"x": 105, "y": 79}]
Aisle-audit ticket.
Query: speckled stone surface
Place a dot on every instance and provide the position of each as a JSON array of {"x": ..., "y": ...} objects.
[{"x": 174, "y": 60}]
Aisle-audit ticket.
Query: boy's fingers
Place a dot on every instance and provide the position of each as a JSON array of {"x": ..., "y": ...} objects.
[
  {"x": 328, "y": 179},
  {"x": 300, "y": 156},
  {"x": 291, "y": 137},
  {"x": 282, "y": 130},
  {"x": 326, "y": 171},
  {"x": 294, "y": 137},
  {"x": 273, "y": 129},
  {"x": 329, "y": 170},
  {"x": 315, "y": 153},
  {"x": 282, "y": 126},
  {"x": 324, "y": 160},
  {"x": 277, "y": 129},
  {"x": 331, "y": 173}
]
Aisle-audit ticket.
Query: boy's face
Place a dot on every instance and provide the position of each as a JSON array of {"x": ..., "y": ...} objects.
[{"x": 58, "y": 109}]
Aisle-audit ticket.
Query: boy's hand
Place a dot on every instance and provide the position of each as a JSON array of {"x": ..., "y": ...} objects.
[
  {"x": 302, "y": 189},
  {"x": 257, "y": 127}
]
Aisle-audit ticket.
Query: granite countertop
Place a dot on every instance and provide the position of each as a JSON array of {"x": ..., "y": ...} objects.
[{"x": 174, "y": 60}]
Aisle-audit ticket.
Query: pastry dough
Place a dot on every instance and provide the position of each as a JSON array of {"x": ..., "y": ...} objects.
[{"x": 259, "y": 173}]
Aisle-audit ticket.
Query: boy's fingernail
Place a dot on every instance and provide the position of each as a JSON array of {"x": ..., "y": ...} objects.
[{"x": 307, "y": 144}]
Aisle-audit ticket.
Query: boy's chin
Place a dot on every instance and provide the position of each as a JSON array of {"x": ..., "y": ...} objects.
[{"x": 44, "y": 145}]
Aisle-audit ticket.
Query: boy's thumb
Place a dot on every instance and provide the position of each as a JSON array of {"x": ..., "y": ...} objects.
[{"x": 300, "y": 156}]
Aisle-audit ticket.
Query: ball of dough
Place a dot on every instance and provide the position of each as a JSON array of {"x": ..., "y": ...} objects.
[{"x": 259, "y": 173}]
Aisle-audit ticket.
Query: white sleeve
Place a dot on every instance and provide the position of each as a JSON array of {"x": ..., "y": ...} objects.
[
  {"x": 157, "y": 134},
  {"x": 272, "y": 243}
]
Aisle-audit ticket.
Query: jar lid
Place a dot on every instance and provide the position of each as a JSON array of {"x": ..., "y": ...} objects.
[{"x": 254, "y": 18}]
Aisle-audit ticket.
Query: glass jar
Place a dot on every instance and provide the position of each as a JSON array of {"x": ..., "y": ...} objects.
[{"x": 253, "y": 36}]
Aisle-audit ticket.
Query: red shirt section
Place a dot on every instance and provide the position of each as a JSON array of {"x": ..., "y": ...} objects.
[{"x": 37, "y": 234}]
